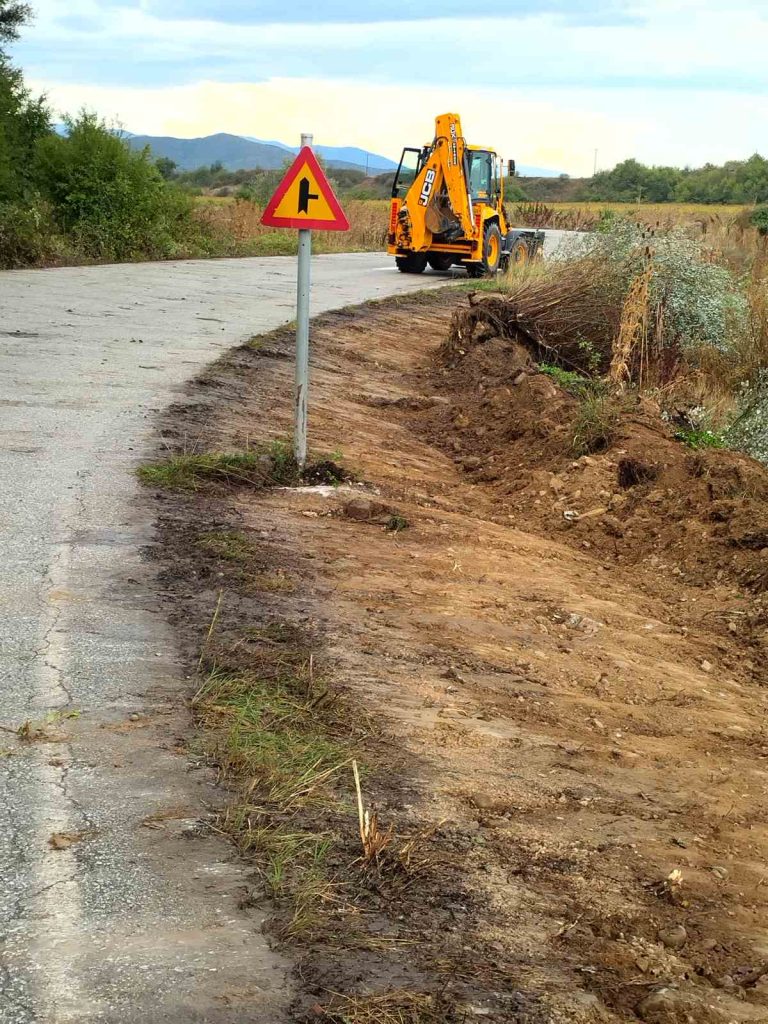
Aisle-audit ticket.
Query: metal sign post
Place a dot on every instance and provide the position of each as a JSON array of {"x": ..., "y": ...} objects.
[
  {"x": 302, "y": 333},
  {"x": 304, "y": 200}
]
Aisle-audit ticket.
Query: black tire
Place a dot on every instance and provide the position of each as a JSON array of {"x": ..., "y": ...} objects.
[
  {"x": 520, "y": 253},
  {"x": 413, "y": 263},
  {"x": 440, "y": 261}
]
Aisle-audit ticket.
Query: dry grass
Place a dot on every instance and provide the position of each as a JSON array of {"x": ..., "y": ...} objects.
[
  {"x": 633, "y": 330},
  {"x": 240, "y": 221},
  {"x": 654, "y": 215},
  {"x": 373, "y": 839},
  {"x": 398, "y": 1007}
]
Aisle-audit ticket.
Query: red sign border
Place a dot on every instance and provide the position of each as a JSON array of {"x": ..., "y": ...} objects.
[{"x": 305, "y": 158}]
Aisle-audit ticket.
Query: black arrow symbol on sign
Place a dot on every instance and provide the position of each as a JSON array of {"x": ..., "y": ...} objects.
[{"x": 305, "y": 195}]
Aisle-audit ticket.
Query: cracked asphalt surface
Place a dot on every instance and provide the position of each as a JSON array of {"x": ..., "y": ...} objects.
[{"x": 133, "y": 912}]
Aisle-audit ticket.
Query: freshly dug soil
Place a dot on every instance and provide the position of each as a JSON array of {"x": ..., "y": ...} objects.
[
  {"x": 566, "y": 712},
  {"x": 643, "y": 498}
]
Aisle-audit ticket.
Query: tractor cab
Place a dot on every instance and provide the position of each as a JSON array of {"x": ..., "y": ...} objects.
[{"x": 483, "y": 175}]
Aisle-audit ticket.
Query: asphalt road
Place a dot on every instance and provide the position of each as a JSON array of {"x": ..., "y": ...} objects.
[
  {"x": 128, "y": 922},
  {"x": 113, "y": 907}
]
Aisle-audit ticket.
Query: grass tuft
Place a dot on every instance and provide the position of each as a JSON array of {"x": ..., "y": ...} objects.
[
  {"x": 574, "y": 383},
  {"x": 274, "y": 466},
  {"x": 267, "y": 732},
  {"x": 596, "y": 423},
  {"x": 268, "y": 736},
  {"x": 397, "y": 1007},
  {"x": 190, "y": 472},
  {"x": 231, "y": 545},
  {"x": 397, "y": 523}
]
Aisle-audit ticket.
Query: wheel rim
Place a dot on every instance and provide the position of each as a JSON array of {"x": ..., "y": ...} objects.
[
  {"x": 521, "y": 253},
  {"x": 493, "y": 250}
]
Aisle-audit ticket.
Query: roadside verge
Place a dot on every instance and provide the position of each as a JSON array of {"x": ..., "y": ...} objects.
[{"x": 544, "y": 836}]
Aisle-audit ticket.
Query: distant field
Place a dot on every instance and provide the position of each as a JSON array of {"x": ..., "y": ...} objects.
[
  {"x": 661, "y": 211},
  {"x": 237, "y": 223},
  {"x": 585, "y": 216}
]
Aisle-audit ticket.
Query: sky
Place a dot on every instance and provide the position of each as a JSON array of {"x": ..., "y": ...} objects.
[{"x": 548, "y": 82}]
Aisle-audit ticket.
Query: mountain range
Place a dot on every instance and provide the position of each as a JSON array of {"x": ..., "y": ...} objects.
[
  {"x": 238, "y": 153},
  {"x": 243, "y": 152}
]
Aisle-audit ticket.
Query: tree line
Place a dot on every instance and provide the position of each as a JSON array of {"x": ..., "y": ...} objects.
[{"x": 736, "y": 181}]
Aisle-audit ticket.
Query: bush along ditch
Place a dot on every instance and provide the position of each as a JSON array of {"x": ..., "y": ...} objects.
[{"x": 655, "y": 312}]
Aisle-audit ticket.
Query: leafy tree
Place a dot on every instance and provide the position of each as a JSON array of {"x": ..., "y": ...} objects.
[
  {"x": 168, "y": 168},
  {"x": 631, "y": 181},
  {"x": 23, "y": 121},
  {"x": 13, "y": 14}
]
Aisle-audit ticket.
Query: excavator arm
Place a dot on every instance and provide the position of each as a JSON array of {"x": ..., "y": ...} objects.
[{"x": 439, "y": 198}]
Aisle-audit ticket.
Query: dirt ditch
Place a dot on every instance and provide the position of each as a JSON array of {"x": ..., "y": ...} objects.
[{"x": 550, "y": 667}]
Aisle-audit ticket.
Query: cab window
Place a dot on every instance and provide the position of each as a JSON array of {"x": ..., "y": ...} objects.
[{"x": 480, "y": 176}]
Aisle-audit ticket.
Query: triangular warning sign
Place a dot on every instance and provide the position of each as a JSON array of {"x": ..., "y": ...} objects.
[{"x": 305, "y": 199}]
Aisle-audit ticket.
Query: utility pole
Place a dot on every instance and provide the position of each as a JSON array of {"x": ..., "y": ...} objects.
[{"x": 595, "y": 170}]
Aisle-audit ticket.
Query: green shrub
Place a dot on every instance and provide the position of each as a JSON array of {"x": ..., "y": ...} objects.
[
  {"x": 759, "y": 218},
  {"x": 694, "y": 303},
  {"x": 28, "y": 235},
  {"x": 596, "y": 423},
  {"x": 112, "y": 201}
]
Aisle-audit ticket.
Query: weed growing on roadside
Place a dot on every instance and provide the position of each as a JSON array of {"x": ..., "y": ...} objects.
[
  {"x": 268, "y": 734},
  {"x": 699, "y": 438},
  {"x": 267, "y": 731},
  {"x": 231, "y": 545},
  {"x": 396, "y": 523},
  {"x": 40, "y": 731},
  {"x": 273, "y": 466},
  {"x": 189, "y": 472},
  {"x": 574, "y": 383},
  {"x": 596, "y": 422},
  {"x": 395, "y": 1007}
]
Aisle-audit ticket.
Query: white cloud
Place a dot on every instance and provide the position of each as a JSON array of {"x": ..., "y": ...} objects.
[
  {"x": 717, "y": 44},
  {"x": 684, "y": 86}
]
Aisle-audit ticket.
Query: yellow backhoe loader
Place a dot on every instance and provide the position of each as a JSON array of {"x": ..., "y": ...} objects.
[{"x": 448, "y": 208}]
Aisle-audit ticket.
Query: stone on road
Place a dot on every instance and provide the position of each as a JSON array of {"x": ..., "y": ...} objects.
[{"x": 131, "y": 913}]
